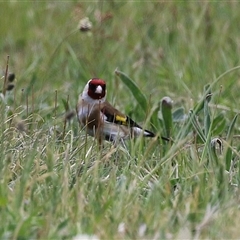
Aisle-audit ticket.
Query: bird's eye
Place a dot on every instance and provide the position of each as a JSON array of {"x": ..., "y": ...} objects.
[{"x": 104, "y": 87}]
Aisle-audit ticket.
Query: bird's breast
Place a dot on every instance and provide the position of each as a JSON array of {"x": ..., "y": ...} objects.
[{"x": 89, "y": 116}]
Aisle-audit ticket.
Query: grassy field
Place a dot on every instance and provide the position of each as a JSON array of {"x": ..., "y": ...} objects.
[{"x": 56, "y": 184}]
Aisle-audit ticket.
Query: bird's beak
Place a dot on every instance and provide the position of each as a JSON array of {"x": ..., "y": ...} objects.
[{"x": 98, "y": 89}]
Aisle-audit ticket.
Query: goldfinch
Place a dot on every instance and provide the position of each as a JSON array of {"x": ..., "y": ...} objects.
[{"x": 101, "y": 119}]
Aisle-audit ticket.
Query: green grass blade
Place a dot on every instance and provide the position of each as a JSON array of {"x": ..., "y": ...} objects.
[
  {"x": 231, "y": 128},
  {"x": 179, "y": 115},
  {"x": 207, "y": 118},
  {"x": 196, "y": 126},
  {"x": 218, "y": 125},
  {"x": 136, "y": 92},
  {"x": 228, "y": 155},
  {"x": 166, "y": 109}
]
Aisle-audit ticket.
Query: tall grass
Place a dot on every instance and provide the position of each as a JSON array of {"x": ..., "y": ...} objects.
[{"x": 171, "y": 66}]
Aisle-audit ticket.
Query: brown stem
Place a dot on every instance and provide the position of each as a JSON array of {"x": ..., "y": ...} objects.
[{"x": 5, "y": 78}]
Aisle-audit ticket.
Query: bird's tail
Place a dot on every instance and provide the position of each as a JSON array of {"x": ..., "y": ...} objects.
[{"x": 137, "y": 131}]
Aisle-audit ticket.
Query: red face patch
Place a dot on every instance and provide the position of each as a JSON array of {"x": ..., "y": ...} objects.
[
  {"x": 92, "y": 86},
  {"x": 97, "y": 81}
]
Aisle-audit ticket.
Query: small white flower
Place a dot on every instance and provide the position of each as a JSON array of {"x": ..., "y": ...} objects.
[
  {"x": 121, "y": 228},
  {"x": 85, "y": 25},
  {"x": 85, "y": 237},
  {"x": 142, "y": 229}
]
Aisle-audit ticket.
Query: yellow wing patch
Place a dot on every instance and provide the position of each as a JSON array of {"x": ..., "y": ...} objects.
[{"x": 121, "y": 119}]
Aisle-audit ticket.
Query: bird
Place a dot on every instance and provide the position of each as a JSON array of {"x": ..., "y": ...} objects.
[{"x": 101, "y": 119}]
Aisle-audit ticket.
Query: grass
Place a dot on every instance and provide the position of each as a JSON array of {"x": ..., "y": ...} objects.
[{"x": 55, "y": 184}]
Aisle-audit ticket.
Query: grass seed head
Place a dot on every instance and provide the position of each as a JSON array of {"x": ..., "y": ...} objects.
[
  {"x": 11, "y": 77},
  {"x": 10, "y": 87}
]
